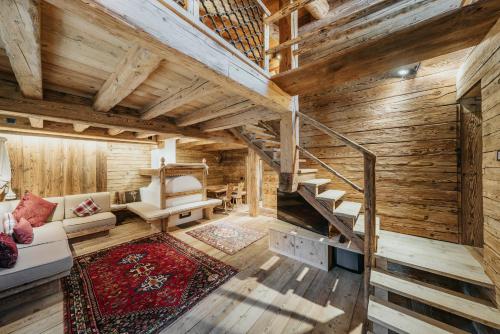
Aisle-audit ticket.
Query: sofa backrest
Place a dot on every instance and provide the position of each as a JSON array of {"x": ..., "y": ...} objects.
[
  {"x": 102, "y": 199},
  {"x": 59, "y": 211},
  {"x": 58, "y": 215}
]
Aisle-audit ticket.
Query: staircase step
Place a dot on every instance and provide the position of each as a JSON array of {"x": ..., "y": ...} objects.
[
  {"x": 438, "y": 297},
  {"x": 439, "y": 257},
  {"x": 254, "y": 136},
  {"x": 359, "y": 225},
  {"x": 348, "y": 210},
  {"x": 307, "y": 171},
  {"x": 315, "y": 182},
  {"x": 302, "y": 160},
  {"x": 332, "y": 195},
  {"x": 402, "y": 320}
]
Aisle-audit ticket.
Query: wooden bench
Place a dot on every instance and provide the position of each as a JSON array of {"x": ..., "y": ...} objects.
[{"x": 151, "y": 213}]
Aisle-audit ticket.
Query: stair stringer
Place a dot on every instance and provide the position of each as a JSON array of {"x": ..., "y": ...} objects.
[
  {"x": 267, "y": 159},
  {"x": 348, "y": 232}
]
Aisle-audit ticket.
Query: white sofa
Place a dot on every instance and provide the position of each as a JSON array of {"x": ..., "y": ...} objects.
[{"x": 49, "y": 257}]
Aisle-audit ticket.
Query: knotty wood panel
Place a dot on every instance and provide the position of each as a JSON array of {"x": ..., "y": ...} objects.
[
  {"x": 411, "y": 125},
  {"x": 482, "y": 66},
  {"x": 224, "y": 166},
  {"x": 57, "y": 166}
]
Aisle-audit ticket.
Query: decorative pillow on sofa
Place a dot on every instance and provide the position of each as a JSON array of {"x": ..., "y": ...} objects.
[
  {"x": 86, "y": 208},
  {"x": 23, "y": 232},
  {"x": 34, "y": 209},
  {"x": 8, "y": 251},
  {"x": 8, "y": 223}
]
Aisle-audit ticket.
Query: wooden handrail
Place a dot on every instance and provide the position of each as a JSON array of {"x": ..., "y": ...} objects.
[
  {"x": 335, "y": 134},
  {"x": 330, "y": 169}
]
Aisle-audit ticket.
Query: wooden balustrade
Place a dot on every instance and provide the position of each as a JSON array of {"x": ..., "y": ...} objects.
[{"x": 369, "y": 193}]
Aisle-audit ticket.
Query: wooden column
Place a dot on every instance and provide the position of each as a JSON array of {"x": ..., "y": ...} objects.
[
  {"x": 289, "y": 125},
  {"x": 252, "y": 183},
  {"x": 471, "y": 218}
]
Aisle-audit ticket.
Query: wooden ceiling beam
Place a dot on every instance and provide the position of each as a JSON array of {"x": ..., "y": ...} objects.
[
  {"x": 53, "y": 129},
  {"x": 349, "y": 14},
  {"x": 455, "y": 30},
  {"x": 36, "y": 122},
  {"x": 318, "y": 8},
  {"x": 240, "y": 119},
  {"x": 133, "y": 69},
  {"x": 20, "y": 32},
  {"x": 114, "y": 132},
  {"x": 70, "y": 113},
  {"x": 196, "y": 90},
  {"x": 172, "y": 33},
  {"x": 78, "y": 127},
  {"x": 288, "y": 9},
  {"x": 219, "y": 109},
  {"x": 143, "y": 135}
]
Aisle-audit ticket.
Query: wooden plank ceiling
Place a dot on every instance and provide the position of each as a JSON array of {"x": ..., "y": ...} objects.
[
  {"x": 88, "y": 74},
  {"x": 359, "y": 38}
]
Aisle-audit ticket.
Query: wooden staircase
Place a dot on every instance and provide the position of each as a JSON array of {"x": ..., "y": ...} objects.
[{"x": 458, "y": 262}]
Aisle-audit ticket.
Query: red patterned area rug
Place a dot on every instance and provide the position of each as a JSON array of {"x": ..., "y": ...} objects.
[
  {"x": 141, "y": 286},
  {"x": 228, "y": 237}
]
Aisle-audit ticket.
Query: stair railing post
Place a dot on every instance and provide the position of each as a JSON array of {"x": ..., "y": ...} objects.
[{"x": 370, "y": 223}]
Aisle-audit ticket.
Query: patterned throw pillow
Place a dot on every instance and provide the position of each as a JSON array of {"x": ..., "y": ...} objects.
[
  {"x": 86, "y": 208},
  {"x": 23, "y": 232},
  {"x": 34, "y": 209},
  {"x": 8, "y": 251}
]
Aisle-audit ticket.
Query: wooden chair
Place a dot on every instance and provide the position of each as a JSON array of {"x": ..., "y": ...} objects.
[
  {"x": 238, "y": 194},
  {"x": 227, "y": 198}
]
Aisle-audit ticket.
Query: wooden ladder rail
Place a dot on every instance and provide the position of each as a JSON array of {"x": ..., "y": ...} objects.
[{"x": 369, "y": 159}]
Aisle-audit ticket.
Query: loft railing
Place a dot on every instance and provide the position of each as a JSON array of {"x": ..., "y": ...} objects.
[
  {"x": 239, "y": 22},
  {"x": 369, "y": 159}
]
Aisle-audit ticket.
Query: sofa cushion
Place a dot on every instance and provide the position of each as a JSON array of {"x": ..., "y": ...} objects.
[
  {"x": 150, "y": 212},
  {"x": 77, "y": 224},
  {"x": 47, "y": 233},
  {"x": 8, "y": 251},
  {"x": 34, "y": 209},
  {"x": 102, "y": 199},
  {"x": 23, "y": 232},
  {"x": 58, "y": 213},
  {"x": 38, "y": 262}
]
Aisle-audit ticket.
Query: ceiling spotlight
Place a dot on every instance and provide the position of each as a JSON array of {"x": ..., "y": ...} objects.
[{"x": 403, "y": 72}]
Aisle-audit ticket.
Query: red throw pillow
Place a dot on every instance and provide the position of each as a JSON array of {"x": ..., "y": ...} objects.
[
  {"x": 34, "y": 209},
  {"x": 86, "y": 208},
  {"x": 23, "y": 232},
  {"x": 8, "y": 251}
]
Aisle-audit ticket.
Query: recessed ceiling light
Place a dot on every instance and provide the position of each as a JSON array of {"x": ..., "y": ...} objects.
[{"x": 403, "y": 72}]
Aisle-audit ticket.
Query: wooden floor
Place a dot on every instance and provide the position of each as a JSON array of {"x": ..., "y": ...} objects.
[{"x": 270, "y": 294}]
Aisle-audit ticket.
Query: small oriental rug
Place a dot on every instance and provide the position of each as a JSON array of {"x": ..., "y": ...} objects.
[
  {"x": 227, "y": 237},
  {"x": 141, "y": 286}
]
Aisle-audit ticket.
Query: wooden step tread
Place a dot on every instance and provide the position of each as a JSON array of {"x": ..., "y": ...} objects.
[
  {"x": 359, "y": 225},
  {"x": 259, "y": 135},
  {"x": 315, "y": 182},
  {"x": 332, "y": 195},
  {"x": 302, "y": 160},
  {"x": 307, "y": 170},
  {"x": 447, "y": 300},
  {"x": 402, "y": 320},
  {"x": 348, "y": 209},
  {"x": 439, "y": 257},
  {"x": 271, "y": 149}
]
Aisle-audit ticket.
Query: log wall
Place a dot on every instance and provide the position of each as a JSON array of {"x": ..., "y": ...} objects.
[
  {"x": 58, "y": 166},
  {"x": 480, "y": 77},
  {"x": 411, "y": 125}
]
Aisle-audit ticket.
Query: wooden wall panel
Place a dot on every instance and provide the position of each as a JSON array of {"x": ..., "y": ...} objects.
[
  {"x": 224, "y": 166},
  {"x": 411, "y": 125},
  {"x": 123, "y": 163},
  {"x": 482, "y": 66},
  {"x": 57, "y": 166}
]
